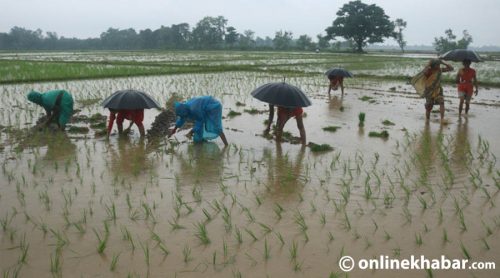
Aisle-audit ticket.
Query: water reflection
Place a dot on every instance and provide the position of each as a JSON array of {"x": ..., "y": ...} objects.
[
  {"x": 335, "y": 102},
  {"x": 60, "y": 147},
  {"x": 284, "y": 175},
  {"x": 130, "y": 158},
  {"x": 426, "y": 153},
  {"x": 460, "y": 154},
  {"x": 202, "y": 163}
]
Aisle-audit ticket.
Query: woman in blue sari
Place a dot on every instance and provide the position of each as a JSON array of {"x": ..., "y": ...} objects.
[{"x": 206, "y": 113}]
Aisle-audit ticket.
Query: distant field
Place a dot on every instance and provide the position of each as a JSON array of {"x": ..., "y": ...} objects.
[{"x": 52, "y": 66}]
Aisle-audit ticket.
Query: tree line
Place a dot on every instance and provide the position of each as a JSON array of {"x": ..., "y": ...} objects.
[{"x": 358, "y": 23}]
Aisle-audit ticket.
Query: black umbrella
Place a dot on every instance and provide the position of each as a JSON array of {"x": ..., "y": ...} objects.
[
  {"x": 130, "y": 99},
  {"x": 338, "y": 72},
  {"x": 458, "y": 55},
  {"x": 281, "y": 94}
]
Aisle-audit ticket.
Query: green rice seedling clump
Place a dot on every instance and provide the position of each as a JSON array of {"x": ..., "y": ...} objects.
[
  {"x": 331, "y": 128},
  {"x": 320, "y": 148},
  {"x": 383, "y": 134}
]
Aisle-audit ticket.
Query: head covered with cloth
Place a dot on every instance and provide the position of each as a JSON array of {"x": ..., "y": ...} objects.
[
  {"x": 206, "y": 113},
  {"x": 58, "y": 105}
]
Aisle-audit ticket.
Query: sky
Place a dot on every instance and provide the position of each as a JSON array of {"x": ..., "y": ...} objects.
[{"x": 426, "y": 19}]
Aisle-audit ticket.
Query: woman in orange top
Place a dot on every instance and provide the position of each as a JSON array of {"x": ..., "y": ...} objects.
[
  {"x": 335, "y": 82},
  {"x": 466, "y": 81},
  {"x": 134, "y": 116},
  {"x": 284, "y": 114}
]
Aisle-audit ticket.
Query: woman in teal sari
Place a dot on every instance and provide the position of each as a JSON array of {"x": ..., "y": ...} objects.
[{"x": 58, "y": 105}]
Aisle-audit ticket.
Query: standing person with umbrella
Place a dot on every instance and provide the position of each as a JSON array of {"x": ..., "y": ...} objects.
[
  {"x": 336, "y": 77},
  {"x": 466, "y": 76},
  {"x": 206, "y": 112},
  {"x": 58, "y": 105},
  {"x": 289, "y": 101},
  {"x": 466, "y": 81},
  {"x": 433, "y": 91},
  {"x": 129, "y": 105}
]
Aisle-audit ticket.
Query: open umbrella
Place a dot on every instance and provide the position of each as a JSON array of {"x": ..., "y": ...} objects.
[
  {"x": 130, "y": 99},
  {"x": 338, "y": 72},
  {"x": 458, "y": 55},
  {"x": 281, "y": 94}
]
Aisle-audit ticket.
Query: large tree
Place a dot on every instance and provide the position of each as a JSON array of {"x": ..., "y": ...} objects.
[
  {"x": 305, "y": 42},
  {"x": 443, "y": 44},
  {"x": 282, "y": 40},
  {"x": 361, "y": 23},
  {"x": 209, "y": 32},
  {"x": 400, "y": 25}
]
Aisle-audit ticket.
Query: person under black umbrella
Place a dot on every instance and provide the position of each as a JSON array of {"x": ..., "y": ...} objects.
[
  {"x": 289, "y": 101},
  {"x": 135, "y": 116},
  {"x": 466, "y": 81},
  {"x": 284, "y": 114},
  {"x": 128, "y": 105},
  {"x": 336, "y": 77}
]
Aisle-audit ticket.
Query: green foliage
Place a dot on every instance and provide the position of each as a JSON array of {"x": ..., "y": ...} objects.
[
  {"x": 362, "y": 24},
  {"x": 400, "y": 25},
  {"x": 233, "y": 113},
  {"x": 320, "y": 148},
  {"x": 387, "y": 123},
  {"x": 449, "y": 42},
  {"x": 383, "y": 134},
  {"x": 282, "y": 40},
  {"x": 331, "y": 128}
]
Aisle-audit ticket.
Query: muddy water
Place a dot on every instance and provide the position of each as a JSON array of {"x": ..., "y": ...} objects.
[{"x": 426, "y": 190}]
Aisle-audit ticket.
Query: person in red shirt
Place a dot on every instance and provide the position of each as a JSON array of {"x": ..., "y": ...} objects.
[
  {"x": 134, "y": 116},
  {"x": 335, "y": 82},
  {"x": 466, "y": 81},
  {"x": 284, "y": 114}
]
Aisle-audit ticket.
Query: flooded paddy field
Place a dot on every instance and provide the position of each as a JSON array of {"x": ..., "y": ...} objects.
[{"x": 77, "y": 204}]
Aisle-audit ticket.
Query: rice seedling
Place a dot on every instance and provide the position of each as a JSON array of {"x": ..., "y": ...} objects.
[
  {"x": 388, "y": 123},
  {"x": 114, "y": 262},
  {"x": 202, "y": 234},
  {"x": 293, "y": 251},
  {"x": 382, "y": 134},
  {"x": 278, "y": 210},
  {"x": 102, "y": 241},
  {"x": 145, "y": 251},
  {"x": 465, "y": 252},
  {"x": 319, "y": 148},
  {"x": 418, "y": 240},
  {"x": 347, "y": 222},
  {"x": 55, "y": 263},
  {"x": 163, "y": 249},
  {"x": 331, "y": 128},
  {"x": 461, "y": 219},
  {"x": 251, "y": 234},
  {"x": 361, "y": 117},
  {"x": 322, "y": 219},
  {"x": 267, "y": 251},
  {"x": 186, "y": 253},
  {"x": 300, "y": 221},
  {"x": 330, "y": 237},
  {"x": 265, "y": 228},
  {"x": 485, "y": 243},
  {"x": 238, "y": 235}
]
